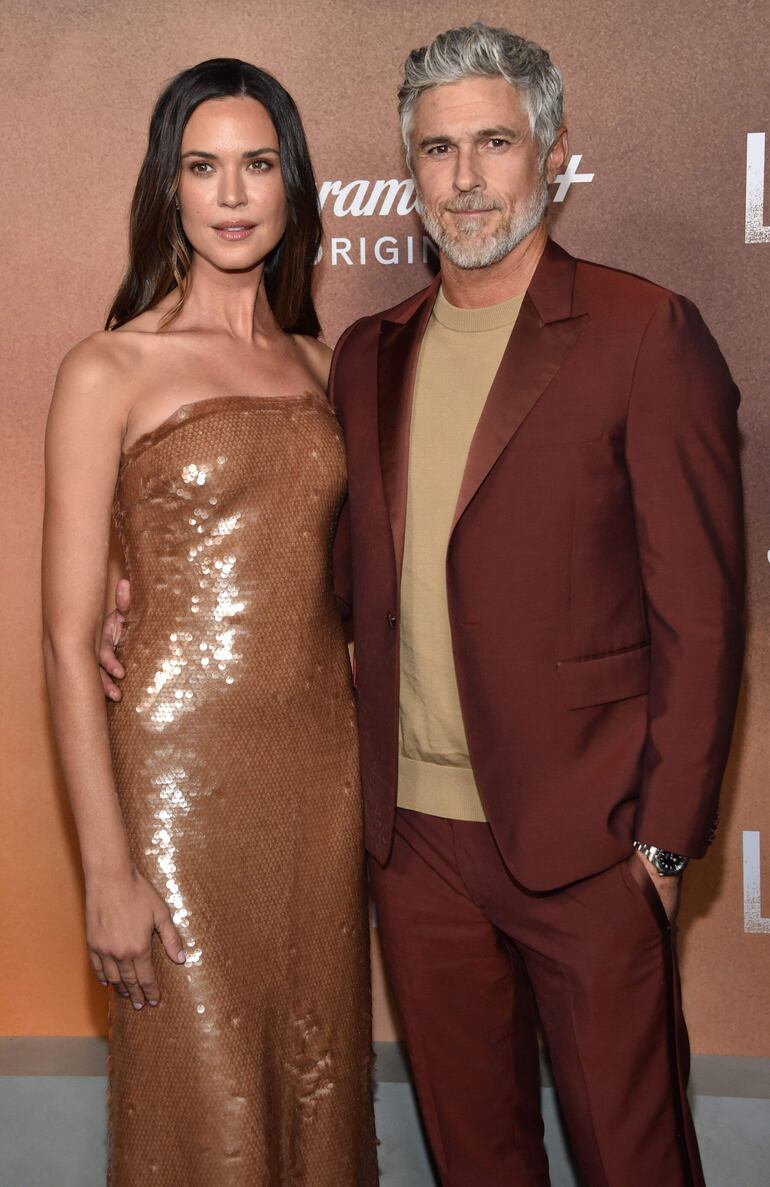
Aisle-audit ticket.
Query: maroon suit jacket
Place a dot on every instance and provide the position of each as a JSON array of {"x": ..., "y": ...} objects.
[{"x": 595, "y": 569}]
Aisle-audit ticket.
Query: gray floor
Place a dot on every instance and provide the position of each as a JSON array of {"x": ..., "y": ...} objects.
[{"x": 52, "y": 1118}]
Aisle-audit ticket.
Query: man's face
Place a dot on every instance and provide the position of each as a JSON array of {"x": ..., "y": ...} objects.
[{"x": 480, "y": 185}]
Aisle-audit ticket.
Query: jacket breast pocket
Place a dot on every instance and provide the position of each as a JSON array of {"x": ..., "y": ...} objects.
[{"x": 604, "y": 678}]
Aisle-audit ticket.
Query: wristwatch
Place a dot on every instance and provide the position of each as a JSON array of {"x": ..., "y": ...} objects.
[{"x": 667, "y": 864}]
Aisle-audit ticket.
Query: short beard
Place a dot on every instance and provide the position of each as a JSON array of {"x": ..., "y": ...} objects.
[{"x": 470, "y": 249}]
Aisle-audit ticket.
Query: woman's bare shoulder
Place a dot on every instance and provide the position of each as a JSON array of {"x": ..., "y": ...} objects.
[
  {"x": 85, "y": 371},
  {"x": 116, "y": 357},
  {"x": 96, "y": 382},
  {"x": 318, "y": 356},
  {"x": 99, "y": 356}
]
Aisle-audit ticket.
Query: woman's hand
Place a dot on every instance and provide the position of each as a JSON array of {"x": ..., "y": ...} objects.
[
  {"x": 110, "y": 667},
  {"x": 121, "y": 915}
]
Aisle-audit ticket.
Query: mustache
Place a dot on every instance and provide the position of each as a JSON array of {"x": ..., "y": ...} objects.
[{"x": 466, "y": 202}]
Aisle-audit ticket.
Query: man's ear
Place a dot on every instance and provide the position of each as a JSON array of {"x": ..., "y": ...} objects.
[{"x": 557, "y": 155}]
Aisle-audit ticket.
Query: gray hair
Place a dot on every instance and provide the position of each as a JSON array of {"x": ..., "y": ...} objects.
[{"x": 479, "y": 50}]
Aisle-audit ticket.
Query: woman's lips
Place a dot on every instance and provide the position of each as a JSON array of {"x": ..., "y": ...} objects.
[{"x": 234, "y": 231}]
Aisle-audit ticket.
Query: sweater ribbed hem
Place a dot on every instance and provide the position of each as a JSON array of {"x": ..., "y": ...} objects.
[{"x": 438, "y": 790}]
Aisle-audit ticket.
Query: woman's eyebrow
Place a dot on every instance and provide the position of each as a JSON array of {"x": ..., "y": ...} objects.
[{"x": 210, "y": 156}]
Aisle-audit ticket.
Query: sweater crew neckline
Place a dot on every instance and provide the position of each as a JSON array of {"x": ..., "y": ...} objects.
[{"x": 474, "y": 321}]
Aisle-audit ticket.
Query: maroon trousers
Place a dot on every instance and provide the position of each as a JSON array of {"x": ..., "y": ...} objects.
[{"x": 473, "y": 958}]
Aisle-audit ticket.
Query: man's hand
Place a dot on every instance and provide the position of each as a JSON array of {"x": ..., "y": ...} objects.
[
  {"x": 669, "y": 889},
  {"x": 112, "y": 632}
]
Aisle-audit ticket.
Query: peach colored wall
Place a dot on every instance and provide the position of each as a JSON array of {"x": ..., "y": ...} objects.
[{"x": 660, "y": 100}]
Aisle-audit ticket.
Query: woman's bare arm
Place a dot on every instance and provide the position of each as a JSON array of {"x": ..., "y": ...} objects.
[{"x": 83, "y": 442}]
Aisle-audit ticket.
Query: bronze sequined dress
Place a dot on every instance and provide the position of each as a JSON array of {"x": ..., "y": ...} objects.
[{"x": 235, "y": 757}]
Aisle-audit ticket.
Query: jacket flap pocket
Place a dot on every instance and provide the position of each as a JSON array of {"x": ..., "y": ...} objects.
[{"x": 605, "y": 678}]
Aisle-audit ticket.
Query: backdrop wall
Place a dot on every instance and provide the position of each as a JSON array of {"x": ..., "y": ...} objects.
[{"x": 668, "y": 109}]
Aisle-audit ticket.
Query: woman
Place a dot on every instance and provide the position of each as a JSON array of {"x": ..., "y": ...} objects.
[{"x": 217, "y": 804}]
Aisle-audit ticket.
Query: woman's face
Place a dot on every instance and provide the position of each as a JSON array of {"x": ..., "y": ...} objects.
[{"x": 231, "y": 193}]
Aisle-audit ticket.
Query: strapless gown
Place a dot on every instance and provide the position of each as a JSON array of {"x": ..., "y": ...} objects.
[{"x": 236, "y": 764}]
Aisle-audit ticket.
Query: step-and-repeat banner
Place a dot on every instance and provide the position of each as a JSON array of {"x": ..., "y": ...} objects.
[{"x": 668, "y": 109}]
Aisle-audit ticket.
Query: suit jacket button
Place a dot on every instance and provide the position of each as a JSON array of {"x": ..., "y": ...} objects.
[{"x": 392, "y": 621}]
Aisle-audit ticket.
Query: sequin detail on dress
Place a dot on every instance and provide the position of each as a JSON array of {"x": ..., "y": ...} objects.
[{"x": 236, "y": 764}]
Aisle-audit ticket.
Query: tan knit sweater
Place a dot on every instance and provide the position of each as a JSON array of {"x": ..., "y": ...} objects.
[{"x": 459, "y": 355}]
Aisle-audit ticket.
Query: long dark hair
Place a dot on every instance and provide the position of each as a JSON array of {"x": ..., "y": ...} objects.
[{"x": 160, "y": 253}]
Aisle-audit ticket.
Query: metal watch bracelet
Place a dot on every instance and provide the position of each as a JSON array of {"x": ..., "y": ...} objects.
[{"x": 667, "y": 864}]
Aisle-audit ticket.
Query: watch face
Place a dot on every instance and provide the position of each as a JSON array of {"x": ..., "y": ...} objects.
[{"x": 669, "y": 863}]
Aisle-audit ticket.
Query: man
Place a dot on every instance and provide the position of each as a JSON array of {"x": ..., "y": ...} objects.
[
  {"x": 542, "y": 550},
  {"x": 546, "y": 575}
]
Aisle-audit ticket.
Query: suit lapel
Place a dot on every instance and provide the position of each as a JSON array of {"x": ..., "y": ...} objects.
[
  {"x": 543, "y": 335},
  {"x": 399, "y": 350}
]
